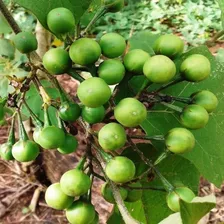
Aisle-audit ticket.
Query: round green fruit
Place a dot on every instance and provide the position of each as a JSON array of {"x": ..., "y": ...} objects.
[
  {"x": 51, "y": 137},
  {"x": 130, "y": 112},
  {"x": 60, "y": 21},
  {"x": 85, "y": 51},
  {"x": 56, "y": 199},
  {"x": 93, "y": 115},
  {"x": 112, "y": 136},
  {"x": 194, "y": 117},
  {"x": 69, "y": 146},
  {"x": 195, "y": 68},
  {"x": 57, "y": 61},
  {"x": 75, "y": 183},
  {"x": 159, "y": 69},
  {"x": 206, "y": 99},
  {"x": 80, "y": 212},
  {"x": 134, "y": 61},
  {"x": 112, "y": 71},
  {"x": 114, "y": 5},
  {"x": 180, "y": 193},
  {"x": 36, "y": 134},
  {"x": 120, "y": 169},
  {"x": 107, "y": 193},
  {"x": 6, "y": 151},
  {"x": 134, "y": 194},
  {"x": 179, "y": 140},
  {"x": 69, "y": 111},
  {"x": 94, "y": 92},
  {"x": 25, "y": 42},
  {"x": 25, "y": 151},
  {"x": 113, "y": 45},
  {"x": 96, "y": 219},
  {"x": 169, "y": 45}
]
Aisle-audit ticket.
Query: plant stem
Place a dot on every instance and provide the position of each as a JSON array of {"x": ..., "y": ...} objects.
[
  {"x": 156, "y": 137},
  {"x": 47, "y": 121},
  {"x": 144, "y": 188},
  {"x": 172, "y": 107},
  {"x": 163, "y": 156},
  {"x": 76, "y": 76},
  {"x": 167, "y": 98},
  {"x": 22, "y": 132},
  {"x": 11, "y": 138}
]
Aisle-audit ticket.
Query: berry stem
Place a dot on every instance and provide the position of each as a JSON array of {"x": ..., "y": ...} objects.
[
  {"x": 163, "y": 156},
  {"x": 76, "y": 76},
  {"x": 22, "y": 132},
  {"x": 11, "y": 138},
  {"x": 144, "y": 188},
  {"x": 173, "y": 107},
  {"x": 105, "y": 155},
  {"x": 168, "y": 98},
  {"x": 81, "y": 163},
  {"x": 144, "y": 86},
  {"x": 47, "y": 121},
  {"x": 156, "y": 137}
]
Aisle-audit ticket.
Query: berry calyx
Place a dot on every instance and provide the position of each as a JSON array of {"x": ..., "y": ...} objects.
[{"x": 93, "y": 115}]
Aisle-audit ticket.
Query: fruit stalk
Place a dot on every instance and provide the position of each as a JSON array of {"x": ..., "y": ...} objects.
[
  {"x": 22, "y": 132},
  {"x": 76, "y": 76},
  {"x": 156, "y": 137},
  {"x": 173, "y": 107},
  {"x": 11, "y": 138},
  {"x": 47, "y": 121}
]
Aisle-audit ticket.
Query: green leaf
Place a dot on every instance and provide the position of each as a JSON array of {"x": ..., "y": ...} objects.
[
  {"x": 40, "y": 8},
  {"x": 4, "y": 85},
  {"x": 208, "y": 155},
  {"x": 5, "y": 28},
  {"x": 192, "y": 212},
  {"x": 143, "y": 40},
  {"x": 7, "y": 49},
  {"x": 174, "y": 218},
  {"x": 221, "y": 5}
]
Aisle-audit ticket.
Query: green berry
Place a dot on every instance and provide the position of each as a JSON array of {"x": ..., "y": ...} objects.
[{"x": 93, "y": 115}]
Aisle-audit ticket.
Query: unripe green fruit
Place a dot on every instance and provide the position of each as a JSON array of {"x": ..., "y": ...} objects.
[
  {"x": 94, "y": 92},
  {"x": 130, "y": 112},
  {"x": 113, "y": 45},
  {"x": 135, "y": 59},
  {"x": 80, "y": 212},
  {"x": 107, "y": 193},
  {"x": 206, "y": 99},
  {"x": 75, "y": 183},
  {"x": 159, "y": 69},
  {"x": 112, "y": 136},
  {"x": 56, "y": 199},
  {"x": 6, "y": 151},
  {"x": 195, "y": 68},
  {"x": 173, "y": 198},
  {"x": 60, "y": 21},
  {"x": 179, "y": 140},
  {"x": 36, "y": 134},
  {"x": 51, "y": 137},
  {"x": 169, "y": 45},
  {"x": 25, "y": 42},
  {"x": 114, "y": 5},
  {"x": 112, "y": 71},
  {"x": 96, "y": 219},
  {"x": 120, "y": 169},
  {"x": 69, "y": 146},
  {"x": 85, "y": 51},
  {"x": 69, "y": 111},
  {"x": 134, "y": 194},
  {"x": 57, "y": 61},
  {"x": 93, "y": 115},
  {"x": 25, "y": 151},
  {"x": 194, "y": 117}
]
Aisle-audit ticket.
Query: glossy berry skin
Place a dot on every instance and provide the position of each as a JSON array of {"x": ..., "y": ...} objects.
[
  {"x": 6, "y": 151},
  {"x": 195, "y": 68},
  {"x": 80, "y": 212},
  {"x": 173, "y": 198},
  {"x": 120, "y": 169},
  {"x": 96, "y": 219},
  {"x": 69, "y": 146},
  {"x": 85, "y": 51},
  {"x": 69, "y": 111},
  {"x": 93, "y": 115},
  {"x": 107, "y": 193},
  {"x": 130, "y": 112},
  {"x": 113, "y": 45},
  {"x": 112, "y": 137},
  {"x": 169, "y": 45},
  {"x": 51, "y": 137},
  {"x": 194, "y": 117},
  {"x": 60, "y": 21},
  {"x": 206, "y": 99},
  {"x": 134, "y": 61},
  {"x": 25, "y": 151},
  {"x": 25, "y": 42},
  {"x": 179, "y": 140},
  {"x": 159, "y": 69},
  {"x": 57, "y": 61},
  {"x": 75, "y": 183},
  {"x": 56, "y": 199},
  {"x": 94, "y": 92},
  {"x": 36, "y": 134},
  {"x": 134, "y": 194},
  {"x": 112, "y": 71},
  {"x": 114, "y": 5}
]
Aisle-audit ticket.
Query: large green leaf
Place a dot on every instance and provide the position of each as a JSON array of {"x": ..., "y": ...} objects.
[
  {"x": 5, "y": 28},
  {"x": 7, "y": 49},
  {"x": 221, "y": 5},
  {"x": 208, "y": 155},
  {"x": 40, "y": 8}
]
